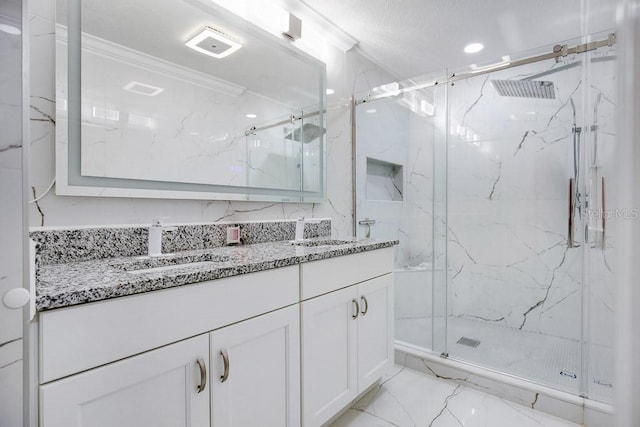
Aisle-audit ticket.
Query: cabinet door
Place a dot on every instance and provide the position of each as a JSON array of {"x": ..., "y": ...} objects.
[
  {"x": 262, "y": 384},
  {"x": 329, "y": 373},
  {"x": 375, "y": 329},
  {"x": 158, "y": 388}
]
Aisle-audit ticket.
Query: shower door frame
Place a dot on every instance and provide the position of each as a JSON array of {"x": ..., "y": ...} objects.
[{"x": 440, "y": 183}]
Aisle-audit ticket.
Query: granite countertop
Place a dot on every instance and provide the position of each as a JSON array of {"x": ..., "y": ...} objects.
[{"x": 64, "y": 285}]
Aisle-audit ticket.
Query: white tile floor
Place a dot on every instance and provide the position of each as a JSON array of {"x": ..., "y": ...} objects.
[{"x": 407, "y": 398}]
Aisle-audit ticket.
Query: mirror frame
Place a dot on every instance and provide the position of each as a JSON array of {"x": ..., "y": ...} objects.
[{"x": 70, "y": 181}]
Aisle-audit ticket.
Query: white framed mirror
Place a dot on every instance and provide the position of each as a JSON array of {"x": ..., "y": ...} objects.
[{"x": 203, "y": 105}]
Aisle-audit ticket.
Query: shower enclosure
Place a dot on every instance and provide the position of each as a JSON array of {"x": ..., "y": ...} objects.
[{"x": 494, "y": 181}]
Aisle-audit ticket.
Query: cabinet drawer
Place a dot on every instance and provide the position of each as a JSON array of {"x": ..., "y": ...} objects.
[
  {"x": 78, "y": 338},
  {"x": 321, "y": 277}
]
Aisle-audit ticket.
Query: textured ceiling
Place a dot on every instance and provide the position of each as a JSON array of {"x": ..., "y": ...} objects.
[{"x": 412, "y": 37}]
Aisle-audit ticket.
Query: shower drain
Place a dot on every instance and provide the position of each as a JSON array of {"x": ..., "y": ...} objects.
[{"x": 470, "y": 342}]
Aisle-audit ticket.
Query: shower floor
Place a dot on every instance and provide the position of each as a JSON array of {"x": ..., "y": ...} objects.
[{"x": 545, "y": 359}]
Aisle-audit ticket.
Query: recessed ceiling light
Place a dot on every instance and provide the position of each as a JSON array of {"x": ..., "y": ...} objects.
[
  {"x": 371, "y": 110},
  {"x": 251, "y": 116},
  {"x": 10, "y": 29},
  {"x": 214, "y": 43},
  {"x": 473, "y": 47},
  {"x": 330, "y": 91}
]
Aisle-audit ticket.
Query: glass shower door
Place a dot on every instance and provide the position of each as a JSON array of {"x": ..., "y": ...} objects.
[
  {"x": 395, "y": 138},
  {"x": 515, "y": 194},
  {"x": 600, "y": 146}
]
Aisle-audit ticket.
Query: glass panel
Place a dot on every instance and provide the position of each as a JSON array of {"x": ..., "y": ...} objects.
[
  {"x": 274, "y": 157},
  {"x": 515, "y": 299},
  {"x": 394, "y": 187},
  {"x": 600, "y": 144}
]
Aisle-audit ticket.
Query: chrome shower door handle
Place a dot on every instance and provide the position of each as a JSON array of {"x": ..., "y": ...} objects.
[
  {"x": 203, "y": 375},
  {"x": 571, "y": 212},
  {"x": 225, "y": 361},
  {"x": 604, "y": 217},
  {"x": 356, "y": 313}
]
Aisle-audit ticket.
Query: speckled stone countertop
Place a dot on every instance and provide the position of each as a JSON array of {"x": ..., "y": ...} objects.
[{"x": 64, "y": 285}]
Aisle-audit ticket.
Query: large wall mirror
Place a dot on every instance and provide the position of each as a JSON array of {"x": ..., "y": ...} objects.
[{"x": 182, "y": 99}]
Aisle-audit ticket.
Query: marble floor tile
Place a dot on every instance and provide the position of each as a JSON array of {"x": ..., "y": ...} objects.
[{"x": 408, "y": 398}]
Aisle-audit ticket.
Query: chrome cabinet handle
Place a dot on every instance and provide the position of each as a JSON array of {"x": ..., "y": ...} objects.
[
  {"x": 203, "y": 375},
  {"x": 225, "y": 361},
  {"x": 571, "y": 209},
  {"x": 357, "y": 307},
  {"x": 366, "y": 305}
]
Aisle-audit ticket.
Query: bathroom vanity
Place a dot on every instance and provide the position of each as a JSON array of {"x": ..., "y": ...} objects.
[{"x": 269, "y": 334}]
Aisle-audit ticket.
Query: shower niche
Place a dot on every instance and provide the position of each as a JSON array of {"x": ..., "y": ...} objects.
[{"x": 384, "y": 181}]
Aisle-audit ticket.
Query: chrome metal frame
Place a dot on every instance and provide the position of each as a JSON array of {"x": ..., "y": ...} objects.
[{"x": 557, "y": 52}]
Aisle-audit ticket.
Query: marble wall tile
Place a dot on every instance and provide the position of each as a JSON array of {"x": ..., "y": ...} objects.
[{"x": 510, "y": 161}]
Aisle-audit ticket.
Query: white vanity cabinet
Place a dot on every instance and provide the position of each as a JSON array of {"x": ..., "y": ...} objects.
[
  {"x": 347, "y": 334},
  {"x": 277, "y": 348},
  {"x": 176, "y": 382},
  {"x": 255, "y": 371},
  {"x": 163, "y": 387}
]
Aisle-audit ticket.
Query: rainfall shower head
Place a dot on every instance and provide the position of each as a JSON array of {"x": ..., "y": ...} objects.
[
  {"x": 540, "y": 89},
  {"x": 307, "y": 133}
]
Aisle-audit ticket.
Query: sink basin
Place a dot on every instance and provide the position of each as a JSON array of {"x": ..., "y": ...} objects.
[
  {"x": 173, "y": 267},
  {"x": 168, "y": 262},
  {"x": 326, "y": 242}
]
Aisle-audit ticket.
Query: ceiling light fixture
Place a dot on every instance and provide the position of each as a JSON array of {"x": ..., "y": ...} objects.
[
  {"x": 251, "y": 116},
  {"x": 330, "y": 91},
  {"x": 143, "y": 88},
  {"x": 213, "y": 43},
  {"x": 473, "y": 47}
]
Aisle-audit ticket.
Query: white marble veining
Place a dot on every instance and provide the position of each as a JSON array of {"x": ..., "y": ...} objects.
[
  {"x": 408, "y": 398},
  {"x": 395, "y": 131}
]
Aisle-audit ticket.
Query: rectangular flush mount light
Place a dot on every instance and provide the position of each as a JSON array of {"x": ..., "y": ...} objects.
[
  {"x": 213, "y": 43},
  {"x": 143, "y": 88}
]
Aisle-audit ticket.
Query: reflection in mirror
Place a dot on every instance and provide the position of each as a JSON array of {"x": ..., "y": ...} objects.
[{"x": 202, "y": 105}]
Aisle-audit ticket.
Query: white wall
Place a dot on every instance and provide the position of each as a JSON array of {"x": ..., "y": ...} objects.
[{"x": 346, "y": 73}]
